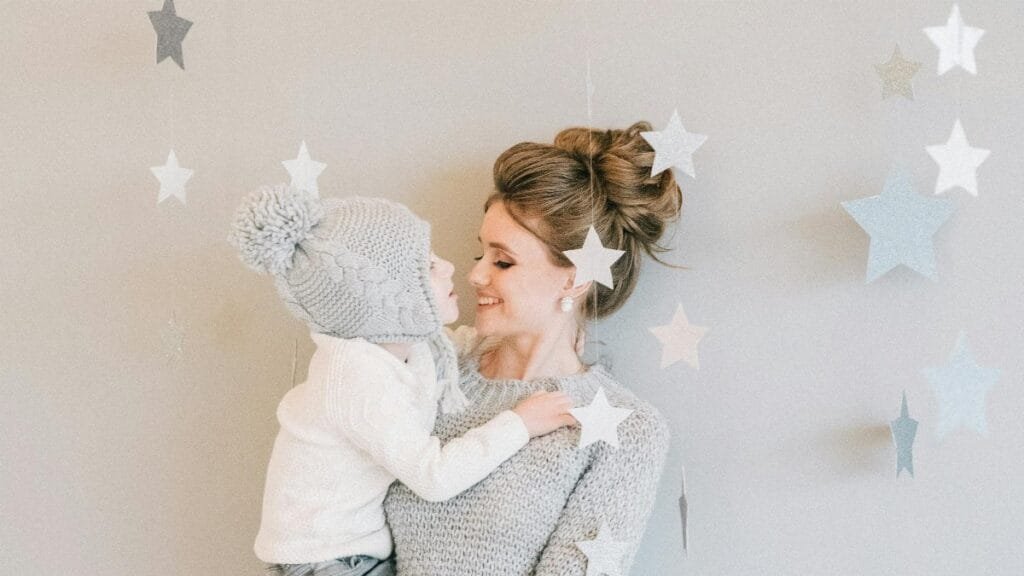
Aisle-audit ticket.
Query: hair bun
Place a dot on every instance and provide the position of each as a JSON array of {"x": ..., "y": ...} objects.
[
  {"x": 619, "y": 165},
  {"x": 269, "y": 224}
]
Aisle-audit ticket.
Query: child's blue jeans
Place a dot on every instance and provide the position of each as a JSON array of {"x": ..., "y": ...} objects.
[{"x": 348, "y": 566}]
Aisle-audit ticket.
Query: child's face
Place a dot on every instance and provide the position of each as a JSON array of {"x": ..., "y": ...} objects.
[{"x": 441, "y": 282}]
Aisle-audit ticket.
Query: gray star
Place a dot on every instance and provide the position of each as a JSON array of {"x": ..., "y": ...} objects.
[
  {"x": 901, "y": 224},
  {"x": 684, "y": 510},
  {"x": 904, "y": 429},
  {"x": 961, "y": 386},
  {"x": 896, "y": 75},
  {"x": 170, "y": 31}
]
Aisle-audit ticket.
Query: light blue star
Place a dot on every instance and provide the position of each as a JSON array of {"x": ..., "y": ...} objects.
[
  {"x": 961, "y": 386},
  {"x": 904, "y": 429},
  {"x": 901, "y": 224}
]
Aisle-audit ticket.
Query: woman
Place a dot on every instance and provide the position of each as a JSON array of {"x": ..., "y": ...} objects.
[{"x": 527, "y": 516}]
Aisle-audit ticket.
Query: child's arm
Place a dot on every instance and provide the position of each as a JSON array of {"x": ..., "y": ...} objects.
[{"x": 378, "y": 413}]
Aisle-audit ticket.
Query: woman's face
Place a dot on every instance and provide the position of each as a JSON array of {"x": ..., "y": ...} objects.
[
  {"x": 518, "y": 287},
  {"x": 441, "y": 282}
]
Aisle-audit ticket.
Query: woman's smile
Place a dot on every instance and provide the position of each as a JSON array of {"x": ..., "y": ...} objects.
[{"x": 484, "y": 302}]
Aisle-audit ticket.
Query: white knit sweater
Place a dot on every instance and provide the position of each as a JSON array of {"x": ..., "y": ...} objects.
[{"x": 361, "y": 420}]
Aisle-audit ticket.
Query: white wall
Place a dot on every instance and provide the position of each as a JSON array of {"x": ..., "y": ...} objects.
[{"x": 117, "y": 457}]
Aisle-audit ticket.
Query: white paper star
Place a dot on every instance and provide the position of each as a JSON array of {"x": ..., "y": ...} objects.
[
  {"x": 674, "y": 146},
  {"x": 304, "y": 171},
  {"x": 604, "y": 555},
  {"x": 594, "y": 261},
  {"x": 958, "y": 162},
  {"x": 955, "y": 42},
  {"x": 679, "y": 340},
  {"x": 600, "y": 421},
  {"x": 961, "y": 386},
  {"x": 173, "y": 337},
  {"x": 172, "y": 179}
]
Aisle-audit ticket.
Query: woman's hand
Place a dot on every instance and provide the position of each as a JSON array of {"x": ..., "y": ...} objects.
[{"x": 544, "y": 412}]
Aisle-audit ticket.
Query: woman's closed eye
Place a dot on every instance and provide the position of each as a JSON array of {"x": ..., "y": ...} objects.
[{"x": 499, "y": 263}]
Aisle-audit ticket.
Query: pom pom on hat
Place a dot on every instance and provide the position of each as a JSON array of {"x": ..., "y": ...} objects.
[{"x": 270, "y": 223}]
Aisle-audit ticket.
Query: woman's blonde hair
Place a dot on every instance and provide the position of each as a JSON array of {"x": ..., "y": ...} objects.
[{"x": 591, "y": 177}]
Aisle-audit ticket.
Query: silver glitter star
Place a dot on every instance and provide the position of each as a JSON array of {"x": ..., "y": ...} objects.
[{"x": 896, "y": 75}]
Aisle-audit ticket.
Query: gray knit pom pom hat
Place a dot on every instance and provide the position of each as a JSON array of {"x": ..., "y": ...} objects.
[{"x": 350, "y": 268}]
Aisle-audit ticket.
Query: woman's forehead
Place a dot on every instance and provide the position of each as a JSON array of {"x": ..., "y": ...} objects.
[{"x": 502, "y": 231}]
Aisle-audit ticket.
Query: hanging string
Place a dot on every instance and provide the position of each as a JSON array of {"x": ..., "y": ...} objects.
[{"x": 589, "y": 89}]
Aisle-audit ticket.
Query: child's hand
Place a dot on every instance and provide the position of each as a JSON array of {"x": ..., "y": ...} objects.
[{"x": 544, "y": 412}]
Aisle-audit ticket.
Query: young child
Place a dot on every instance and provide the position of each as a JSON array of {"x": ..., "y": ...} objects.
[{"x": 360, "y": 273}]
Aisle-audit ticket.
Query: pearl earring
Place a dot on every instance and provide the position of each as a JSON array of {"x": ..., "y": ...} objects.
[{"x": 566, "y": 304}]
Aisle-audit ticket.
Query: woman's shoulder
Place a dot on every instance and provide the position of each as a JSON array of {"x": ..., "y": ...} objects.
[{"x": 645, "y": 425}]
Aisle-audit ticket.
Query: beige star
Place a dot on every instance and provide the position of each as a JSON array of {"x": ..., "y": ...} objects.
[
  {"x": 896, "y": 75},
  {"x": 679, "y": 340}
]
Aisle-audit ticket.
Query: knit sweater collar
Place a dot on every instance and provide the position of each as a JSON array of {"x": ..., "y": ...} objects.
[{"x": 484, "y": 393}]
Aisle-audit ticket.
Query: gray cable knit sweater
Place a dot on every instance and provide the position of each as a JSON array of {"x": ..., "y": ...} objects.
[{"x": 526, "y": 517}]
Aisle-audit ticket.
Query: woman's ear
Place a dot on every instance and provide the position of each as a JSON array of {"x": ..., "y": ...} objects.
[{"x": 576, "y": 292}]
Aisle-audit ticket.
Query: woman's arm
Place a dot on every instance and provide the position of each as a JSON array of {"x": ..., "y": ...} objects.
[{"x": 618, "y": 489}]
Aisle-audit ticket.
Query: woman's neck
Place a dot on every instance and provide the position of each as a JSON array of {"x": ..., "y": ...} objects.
[{"x": 526, "y": 357}]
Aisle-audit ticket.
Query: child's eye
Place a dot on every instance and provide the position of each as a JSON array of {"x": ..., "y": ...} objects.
[{"x": 478, "y": 258}]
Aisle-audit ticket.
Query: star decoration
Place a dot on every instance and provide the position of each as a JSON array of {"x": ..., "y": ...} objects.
[
  {"x": 904, "y": 429},
  {"x": 674, "y": 146},
  {"x": 679, "y": 340},
  {"x": 958, "y": 162},
  {"x": 684, "y": 510},
  {"x": 594, "y": 261},
  {"x": 896, "y": 75},
  {"x": 170, "y": 31},
  {"x": 173, "y": 336},
  {"x": 604, "y": 555},
  {"x": 172, "y": 179},
  {"x": 961, "y": 386},
  {"x": 599, "y": 421},
  {"x": 304, "y": 171},
  {"x": 955, "y": 42},
  {"x": 901, "y": 224}
]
